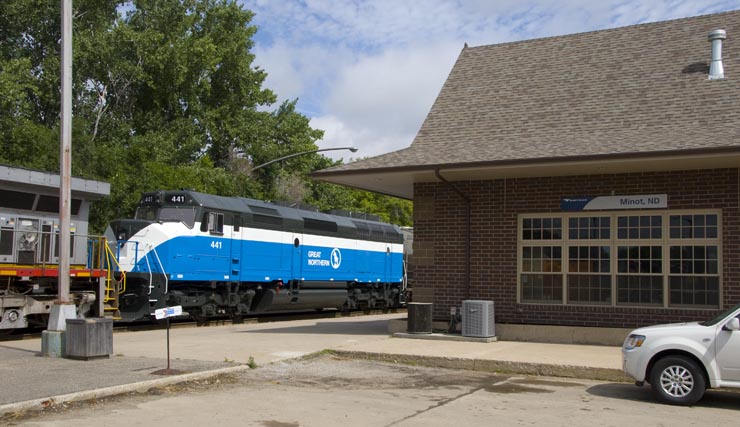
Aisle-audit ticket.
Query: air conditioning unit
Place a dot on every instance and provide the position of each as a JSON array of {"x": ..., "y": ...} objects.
[{"x": 477, "y": 319}]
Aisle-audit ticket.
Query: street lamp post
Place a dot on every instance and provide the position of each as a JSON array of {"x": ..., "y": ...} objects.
[{"x": 290, "y": 156}]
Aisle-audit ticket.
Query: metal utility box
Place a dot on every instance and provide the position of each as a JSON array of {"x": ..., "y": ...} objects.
[
  {"x": 420, "y": 318},
  {"x": 89, "y": 338},
  {"x": 477, "y": 319}
]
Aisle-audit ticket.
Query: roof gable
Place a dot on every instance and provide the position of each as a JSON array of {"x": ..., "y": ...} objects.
[{"x": 639, "y": 90}]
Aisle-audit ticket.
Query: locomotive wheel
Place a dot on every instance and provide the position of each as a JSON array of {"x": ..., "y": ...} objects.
[
  {"x": 236, "y": 318},
  {"x": 200, "y": 319}
]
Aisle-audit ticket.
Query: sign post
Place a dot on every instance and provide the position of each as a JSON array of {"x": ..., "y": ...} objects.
[{"x": 166, "y": 313}]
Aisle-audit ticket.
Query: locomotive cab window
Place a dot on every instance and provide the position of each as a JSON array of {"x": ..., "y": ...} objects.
[
  {"x": 213, "y": 222},
  {"x": 216, "y": 223}
]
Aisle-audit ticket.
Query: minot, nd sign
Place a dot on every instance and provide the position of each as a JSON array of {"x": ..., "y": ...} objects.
[{"x": 591, "y": 203}]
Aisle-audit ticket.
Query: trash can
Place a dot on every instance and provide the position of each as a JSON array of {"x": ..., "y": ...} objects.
[
  {"x": 89, "y": 338},
  {"x": 420, "y": 318}
]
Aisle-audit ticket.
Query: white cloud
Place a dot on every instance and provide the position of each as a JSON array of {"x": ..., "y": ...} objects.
[
  {"x": 367, "y": 72},
  {"x": 394, "y": 89},
  {"x": 368, "y": 141}
]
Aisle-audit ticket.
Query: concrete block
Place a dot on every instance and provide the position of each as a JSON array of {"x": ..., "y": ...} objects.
[
  {"x": 59, "y": 315},
  {"x": 89, "y": 338},
  {"x": 53, "y": 343}
]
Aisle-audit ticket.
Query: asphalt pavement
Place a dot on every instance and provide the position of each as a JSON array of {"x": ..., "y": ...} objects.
[{"x": 29, "y": 381}]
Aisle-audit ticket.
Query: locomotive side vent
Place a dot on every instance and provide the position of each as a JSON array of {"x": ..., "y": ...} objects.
[{"x": 477, "y": 319}]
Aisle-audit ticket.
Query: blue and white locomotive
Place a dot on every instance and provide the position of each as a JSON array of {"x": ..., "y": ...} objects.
[{"x": 233, "y": 256}]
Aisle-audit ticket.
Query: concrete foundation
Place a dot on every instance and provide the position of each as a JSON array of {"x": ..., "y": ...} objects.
[
  {"x": 444, "y": 337},
  {"x": 53, "y": 343},
  {"x": 59, "y": 315},
  {"x": 539, "y": 333}
]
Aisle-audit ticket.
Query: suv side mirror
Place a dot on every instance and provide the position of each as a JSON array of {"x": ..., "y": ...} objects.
[{"x": 732, "y": 325}]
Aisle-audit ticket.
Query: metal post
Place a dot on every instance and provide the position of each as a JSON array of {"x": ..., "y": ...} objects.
[
  {"x": 290, "y": 156},
  {"x": 53, "y": 339},
  {"x": 65, "y": 154},
  {"x": 168, "y": 345}
]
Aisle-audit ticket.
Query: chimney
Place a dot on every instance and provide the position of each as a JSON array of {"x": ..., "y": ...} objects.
[{"x": 716, "y": 69}]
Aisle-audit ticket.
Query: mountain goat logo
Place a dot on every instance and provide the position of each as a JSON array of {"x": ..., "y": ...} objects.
[{"x": 336, "y": 258}]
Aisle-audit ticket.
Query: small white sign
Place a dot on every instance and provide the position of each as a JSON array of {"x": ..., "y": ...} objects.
[{"x": 163, "y": 313}]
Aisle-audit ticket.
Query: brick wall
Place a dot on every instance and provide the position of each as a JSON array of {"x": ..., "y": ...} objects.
[{"x": 439, "y": 241}]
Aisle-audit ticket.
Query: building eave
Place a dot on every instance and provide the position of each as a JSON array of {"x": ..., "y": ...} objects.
[{"x": 399, "y": 181}]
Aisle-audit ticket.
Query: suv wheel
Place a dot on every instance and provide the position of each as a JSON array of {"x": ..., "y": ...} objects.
[{"x": 677, "y": 380}]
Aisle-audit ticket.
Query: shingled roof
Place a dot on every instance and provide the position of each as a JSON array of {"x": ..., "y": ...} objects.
[{"x": 623, "y": 93}]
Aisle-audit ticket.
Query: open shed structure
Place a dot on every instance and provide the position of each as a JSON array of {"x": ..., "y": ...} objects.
[{"x": 589, "y": 179}]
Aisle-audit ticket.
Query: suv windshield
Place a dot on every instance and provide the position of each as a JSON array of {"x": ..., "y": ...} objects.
[{"x": 714, "y": 321}]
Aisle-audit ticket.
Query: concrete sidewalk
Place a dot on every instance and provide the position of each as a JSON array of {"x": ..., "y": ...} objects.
[{"x": 30, "y": 381}]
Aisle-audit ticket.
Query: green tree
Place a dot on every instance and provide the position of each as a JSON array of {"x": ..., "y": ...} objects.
[
  {"x": 30, "y": 34},
  {"x": 166, "y": 95}
]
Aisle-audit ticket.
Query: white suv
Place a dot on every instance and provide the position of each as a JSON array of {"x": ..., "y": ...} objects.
[{"x": 680, "y": 361}]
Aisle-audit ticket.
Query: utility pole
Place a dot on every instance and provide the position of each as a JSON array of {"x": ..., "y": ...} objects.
[
  {"x": 53, "y": 339},
  {"x": 65, "y": 153}
]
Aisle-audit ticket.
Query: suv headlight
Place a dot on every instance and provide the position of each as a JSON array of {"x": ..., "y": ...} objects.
[{"x": 634, "y": 341}]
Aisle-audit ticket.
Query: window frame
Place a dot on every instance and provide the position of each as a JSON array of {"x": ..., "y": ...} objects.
[
  {"x": 614, "y": 242},
  {"x": 216, "y": 223}
]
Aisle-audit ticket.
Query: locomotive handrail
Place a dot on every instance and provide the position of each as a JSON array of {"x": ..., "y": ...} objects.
[
  {"x": 41, "y": 246},
  {"x": 161, "y": 267},
  {"x": 405, "y": 278},
  {"x": 149, "y": 270},
  {"x": 121, "y": 244},
  {"x": 110, "y": 255}
]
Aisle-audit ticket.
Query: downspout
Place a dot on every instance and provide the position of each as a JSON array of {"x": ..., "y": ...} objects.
[{"x": 467, "y": 230}]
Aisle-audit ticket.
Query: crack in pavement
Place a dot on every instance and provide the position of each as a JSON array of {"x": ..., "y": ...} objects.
[{"x": 441, "y": 403}]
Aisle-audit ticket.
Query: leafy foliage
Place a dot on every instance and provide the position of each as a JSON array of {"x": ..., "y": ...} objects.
[{"x": 166, "y": 95}]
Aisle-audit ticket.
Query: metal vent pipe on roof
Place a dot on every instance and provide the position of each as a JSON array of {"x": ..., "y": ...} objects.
[{"x": 716, "y": 69}]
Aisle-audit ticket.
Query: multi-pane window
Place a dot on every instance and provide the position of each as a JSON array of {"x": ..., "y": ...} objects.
[
  {"x": 589, "y": 278},
  {"x": 640, "y": 275},
  {"x": 624, "y": 259},
  {"x": 639, "y": 227},
  {"x": 542, "y": 229},
  {"x": 693, "y": 226},
  {"x": 694, "y": 275},
  {"x": 589, "y": 228},
  {"x": 541, "y": 278}
]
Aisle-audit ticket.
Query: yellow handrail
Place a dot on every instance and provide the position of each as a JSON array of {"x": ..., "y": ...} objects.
[{"x": 110, "y": 255}]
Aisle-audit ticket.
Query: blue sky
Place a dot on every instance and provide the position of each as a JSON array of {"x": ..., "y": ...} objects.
[{"x": 367, "y": 72}]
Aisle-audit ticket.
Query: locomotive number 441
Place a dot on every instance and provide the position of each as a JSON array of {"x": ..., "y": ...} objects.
[{"x": 216, "y": 244}]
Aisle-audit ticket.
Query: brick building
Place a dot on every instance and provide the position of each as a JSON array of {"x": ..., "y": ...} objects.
[{"x": 585, "y": 180}]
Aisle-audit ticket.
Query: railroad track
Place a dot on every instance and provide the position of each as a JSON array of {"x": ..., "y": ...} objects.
[{"x": 189, "y": 323}]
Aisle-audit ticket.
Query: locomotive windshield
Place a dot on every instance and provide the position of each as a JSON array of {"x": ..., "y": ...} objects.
[
  {"x": 184, "y": 214},
  {"x": 146, "y": 212}
]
